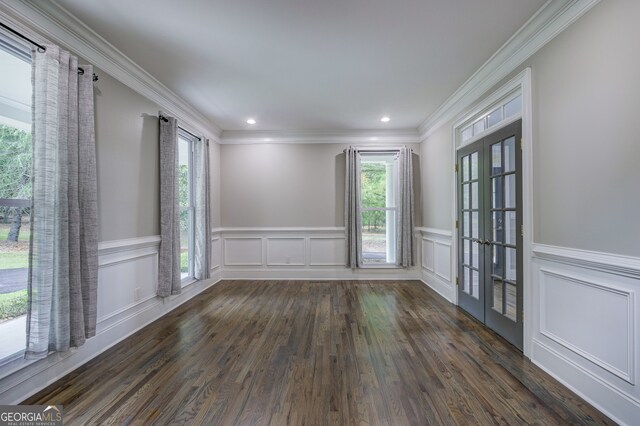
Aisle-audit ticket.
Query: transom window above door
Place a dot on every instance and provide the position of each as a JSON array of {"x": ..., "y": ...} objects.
[{"x": 508, "y": 109}]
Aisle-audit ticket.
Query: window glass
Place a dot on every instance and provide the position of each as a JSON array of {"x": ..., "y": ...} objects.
[
  {"x": 513, "y": 107},
  {"x": 15, "y": 198},
  {"x": 467, "y": 133},
  {"x": 373, "y": 181},
  {"x": 479, "y": 126},
  {"x": 187, "y": 205},
  {"x": 378, "y": 207},
  {"x": 494, "y": 117}
]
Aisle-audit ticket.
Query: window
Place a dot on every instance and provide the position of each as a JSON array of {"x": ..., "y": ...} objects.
[
  {"x": 378, "y": 207},
  {"x": 15, "y": 193},
  {"x": 186, "y": 194},
  {"x": 510, "y": 107}
]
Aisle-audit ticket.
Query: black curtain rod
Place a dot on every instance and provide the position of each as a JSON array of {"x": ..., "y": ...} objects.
[
  {"x": 163, "y": 118},
  {"x": 40, "y": 47},
  {"x": 24, "y": 37}
]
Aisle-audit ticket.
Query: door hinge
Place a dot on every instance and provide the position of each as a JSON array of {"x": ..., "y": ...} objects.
[
  {"x": 457, "y": 281},
  {"x": 456, "y": 167},
  {"x": 522, "y": 230},
  {"x": 521, "y": 144},
  {"x": 457, "y": 224}
]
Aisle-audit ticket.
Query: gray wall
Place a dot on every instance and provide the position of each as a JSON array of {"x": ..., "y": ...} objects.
[
  {"x": 127, "y": 155},
  {"x": 128, "y": 163},
  {"x": 286, "y": 185},
  {"x": 586, "y": 148},
  {"x": 214, "y": 176},
  {"x": 585, "y": 136},
  {"x": 435, "y": 155}
]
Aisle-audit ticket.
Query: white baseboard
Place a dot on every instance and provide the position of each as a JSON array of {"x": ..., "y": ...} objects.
[{"x": 327, "y": 274}]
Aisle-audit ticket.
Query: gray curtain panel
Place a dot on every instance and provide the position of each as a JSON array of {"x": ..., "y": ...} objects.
[
  {"x": 202, "y": 255},
  {"x": 169, "y": 256},
  {"x": 404, "y": 243},
  {"x": 352, "y": 218},
  {"x": 63, "y": 272}
]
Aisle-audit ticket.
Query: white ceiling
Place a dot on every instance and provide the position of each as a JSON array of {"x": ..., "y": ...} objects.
[{"x": 309, "y": 64}]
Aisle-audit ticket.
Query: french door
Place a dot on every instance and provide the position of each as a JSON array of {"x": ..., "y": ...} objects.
[{"x": 490, "y": 231}]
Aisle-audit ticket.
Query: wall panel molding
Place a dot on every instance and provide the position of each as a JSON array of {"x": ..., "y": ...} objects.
[
  {"x": 627, "y": 266},
  {"x": 586, "y": 325},
  {"x": 327, "y": 250},
  {"x": 428, "y": 255},
  {"x": 436, "y": 261},
  {"x": 242, "y": 251},
  {"x": 286, "y": 251},
  {"x": 317, "y": 253},
  {"x": 617, "y": 404},
  {"x": 216, "y": 252},
  {"x": 613, "y": 303},
  {"x": 442, "y": 260}
]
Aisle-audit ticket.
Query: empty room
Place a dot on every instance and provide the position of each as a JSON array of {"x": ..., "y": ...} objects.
[{"x": 319, "y": 212}]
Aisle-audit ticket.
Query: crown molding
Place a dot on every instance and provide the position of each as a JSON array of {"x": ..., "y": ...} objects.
[
  {"x": 320, "y": 136},
  {"x": 49, "y": 20},
  {"x": 549, "y": 21}
]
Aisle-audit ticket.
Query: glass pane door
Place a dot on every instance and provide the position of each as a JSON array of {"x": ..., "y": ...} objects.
[
  {"x": 489, "y": 236},
  {"x": 504, "y": 220},
  {"x": 470, "y": 200}
]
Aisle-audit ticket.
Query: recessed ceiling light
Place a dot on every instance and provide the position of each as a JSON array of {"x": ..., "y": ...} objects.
[
  {"x": 385, "y": 119},
  {"x": 267, "y": 139},
  {"x": 251, "y": 121},
  {"x": 373, "y": 139}
]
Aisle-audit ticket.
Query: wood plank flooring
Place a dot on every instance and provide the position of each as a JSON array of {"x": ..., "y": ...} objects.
[{"x": 315, "y": 352}]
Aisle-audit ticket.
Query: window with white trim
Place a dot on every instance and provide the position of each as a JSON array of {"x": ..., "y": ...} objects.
[
  {"x": 186, "y": 196},
  {"x": 15, "y": 194},
  {"x": 378, "y": 207}
]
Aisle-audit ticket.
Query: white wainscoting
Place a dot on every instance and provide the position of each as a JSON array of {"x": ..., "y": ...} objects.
[
  {"x": 127, "y": 281},
  {"x": 216, "y": 252},
  {"x": 327, "y": 251},
  {"x": 294, "y": 253},
  {"x": 436, "y": 261},
  {"x": 242, "y": 251},
  {"x": 586, "y": 326},
  {"x": 286, "y": 251}
]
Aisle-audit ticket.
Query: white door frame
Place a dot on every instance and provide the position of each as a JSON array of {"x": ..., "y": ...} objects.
[{"x": 521, "y": 83}]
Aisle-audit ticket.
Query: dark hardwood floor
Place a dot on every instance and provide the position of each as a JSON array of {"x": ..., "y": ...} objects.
[{"x": 307, "y": 352}]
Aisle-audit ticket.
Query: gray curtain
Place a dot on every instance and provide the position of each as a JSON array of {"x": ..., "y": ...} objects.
[
  {"x": 404, "y": 243},
  {"x": 202, "y": 255},
  {"x": 352, "y": 218},
  {"x": 169, "y": 256},
  {"x": 63, "y": 272}
]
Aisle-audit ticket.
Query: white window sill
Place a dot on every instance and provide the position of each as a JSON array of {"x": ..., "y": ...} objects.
[
  {"x": 381, "y": 266},
  {"x": 188, "y": 281}
]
